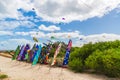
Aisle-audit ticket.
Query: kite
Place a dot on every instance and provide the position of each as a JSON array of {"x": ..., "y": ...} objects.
[
  {"x": 49, "y": 41},
  {"x": 56, "y": 53},
  {"x": 63, "y": 18},
  {"x": 45, "y": 44},
  {"x": 60, "y": 23},
  {"x": 33, "y": 8},
  {"x": 81, "y": 39},
  {"x": 69, "y": 36},
  {"x": 66, "y": 58},
  {"x": 35, "y": 39},
  {"x": 52, "y": 37}
]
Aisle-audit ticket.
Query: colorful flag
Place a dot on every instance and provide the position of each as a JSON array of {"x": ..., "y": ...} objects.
[
  {"x": 37, "y": 55},
  {"x": 17, "y": 51},
  {"x": 56, "y": 53},
  {"x": 27, "y": 47},
  {"x": 35, "y": 52},
  {"x": 27, "y": 55},
  {"x": 32, "y": 51},
  {"x": 21, "y": 52},
  {"x": 66, "y": 58}
]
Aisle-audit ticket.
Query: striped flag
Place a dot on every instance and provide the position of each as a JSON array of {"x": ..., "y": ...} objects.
[{"x": 56, "y": 53}]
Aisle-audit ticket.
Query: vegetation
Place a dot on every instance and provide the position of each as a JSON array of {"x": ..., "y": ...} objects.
[
  {"x": 102, "y": 57},
  {"x": 3, "y": 76}
]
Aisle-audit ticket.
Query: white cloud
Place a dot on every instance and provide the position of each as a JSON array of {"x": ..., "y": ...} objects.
[
  {"x": 96, "y": 38},
  {"x": 49, "y": 28},
  {"x": 22, "y": 33},
  {"x": 2, "y": 33},
  {"x": 71, "y": 10},
  {"x": 9, "y": 8},
  {"x": 11, "y": 44},
  {"x": 54, "y": 10},
  {"x": 8, "y": 25}
]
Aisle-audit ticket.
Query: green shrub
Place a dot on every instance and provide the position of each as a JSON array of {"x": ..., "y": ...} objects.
[
  {"x": 94, "y": 61},
  {"x": 3, "y": 76},
  {"x": 102, "y": 57},
  {"x": 111, "y": 63},
  {"x": 106, "y": 62},
  {"x": 76, "y": 65}
]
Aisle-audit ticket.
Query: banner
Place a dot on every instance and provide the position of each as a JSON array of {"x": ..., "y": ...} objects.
[
  {"x": 56, "y": 53},
  {"x": 17, "y": 51},
  {"x": 37, "y": 55},
  {"x": 66, "y": 58}
]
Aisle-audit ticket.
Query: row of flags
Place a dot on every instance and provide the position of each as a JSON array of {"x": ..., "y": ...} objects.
[{"x": 39, "y": 53}]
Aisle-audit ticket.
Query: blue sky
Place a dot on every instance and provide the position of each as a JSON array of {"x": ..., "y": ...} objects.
[{"x": 92, "y": 21}]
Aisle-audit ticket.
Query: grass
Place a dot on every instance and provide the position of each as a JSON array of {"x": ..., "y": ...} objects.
[{"x": 3, "y": 76}]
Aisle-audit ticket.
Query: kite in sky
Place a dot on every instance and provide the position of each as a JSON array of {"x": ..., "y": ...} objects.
[
  {"x": 35, "y": 39},
  {"x": 63, "y": 18}
]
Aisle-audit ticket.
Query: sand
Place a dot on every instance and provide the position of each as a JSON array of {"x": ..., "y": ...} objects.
[{"x": 24, "y": 71}]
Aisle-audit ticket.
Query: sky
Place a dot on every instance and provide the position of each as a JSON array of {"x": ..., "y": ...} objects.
[{"x": 82, "y": 21}]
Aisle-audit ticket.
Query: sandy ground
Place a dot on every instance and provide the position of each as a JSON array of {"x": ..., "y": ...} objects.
[{"x": 23, "y": 71}]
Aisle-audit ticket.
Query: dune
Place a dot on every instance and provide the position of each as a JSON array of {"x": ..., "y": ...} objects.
[{"x": 17, "y": 70}]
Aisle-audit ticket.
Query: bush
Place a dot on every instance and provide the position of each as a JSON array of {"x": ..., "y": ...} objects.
[
  {"x": 111, "y": 63},
  {"x": 76, "y": 65},
  {"x": 107, "y": 62},
  {"x": 102, "y": 57},
  {"x": 94, "y": 61},
  {"x": 3, "y": 76}
]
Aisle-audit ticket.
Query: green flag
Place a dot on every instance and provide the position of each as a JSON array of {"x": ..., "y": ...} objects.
[{"x": 16, "y": 53}]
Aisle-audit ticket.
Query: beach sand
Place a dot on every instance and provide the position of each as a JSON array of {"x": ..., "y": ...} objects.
[{"x": 17, "y": 70}]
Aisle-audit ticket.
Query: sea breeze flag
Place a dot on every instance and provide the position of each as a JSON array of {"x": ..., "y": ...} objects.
[
  {"x": 17, "y": 51},
  {"x": 27, "y": 47},
  {"x": 56, "y": 53},
  {"x": 66, "y": 58},
  {"x": 27, "y": 55},
  {"x": 37, "y": 55},
  {"x": 31, "y": 54},
  {"x": 21, "y": 52},
  {"x": 35, "y": 52}
]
